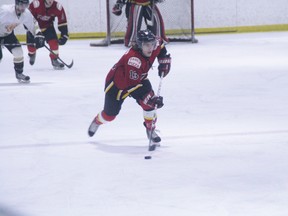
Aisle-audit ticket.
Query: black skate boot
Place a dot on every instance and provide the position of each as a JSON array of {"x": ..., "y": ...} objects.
[
  {"x": 32, "y": 58},
  {"x": 22, "y": 78},
  {"x": 93, "y": 128},
  {"x": 57, "y": 65}
]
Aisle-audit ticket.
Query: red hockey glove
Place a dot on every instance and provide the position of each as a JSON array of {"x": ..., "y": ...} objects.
[
  {"x": 117, "y": 9},
  {"x": 150, "y": 101},
  {"x": 156, "y": 101},
  {"x": 164, "y": 65}
]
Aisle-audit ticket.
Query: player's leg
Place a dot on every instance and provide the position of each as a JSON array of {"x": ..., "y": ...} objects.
[
  {"x": 142, "y": 95},
  {"x": 18, "y": 59},
  {"x": 156, "y": 25},
  {"x": 111, "y": 109},
  {"x": 31, "y": 48},
  {"x": 112, "y": 106},
  {"x": 52, "y": 40}
]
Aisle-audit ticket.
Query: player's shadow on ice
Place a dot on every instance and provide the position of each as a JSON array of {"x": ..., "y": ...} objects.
[{"x": 120, "y": 148}]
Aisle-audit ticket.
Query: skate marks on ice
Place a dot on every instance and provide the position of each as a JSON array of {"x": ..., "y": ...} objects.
[
  {"x": 42, "y": 145},
  {"x": 230, "y": 134},
  {"x": 24, "y": 84},
  {"x": 139, "y": 145},
  {"x": 119, "y": 148}
]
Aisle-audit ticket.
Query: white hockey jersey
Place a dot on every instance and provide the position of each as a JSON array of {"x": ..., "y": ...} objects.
[{"x": 9, "y": 20}]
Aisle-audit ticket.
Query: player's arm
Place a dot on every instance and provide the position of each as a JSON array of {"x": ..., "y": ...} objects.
[
  {"x": 62, "y": 24},
  {"x": 32, "y": 26},
  {"x": 164, "y": 60}
]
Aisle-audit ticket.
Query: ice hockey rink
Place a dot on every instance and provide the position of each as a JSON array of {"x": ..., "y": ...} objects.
[{"x": 224, "y": 129}]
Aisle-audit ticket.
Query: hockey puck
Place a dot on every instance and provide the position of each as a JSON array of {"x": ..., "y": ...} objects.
[{"x": 147, "y": 157}]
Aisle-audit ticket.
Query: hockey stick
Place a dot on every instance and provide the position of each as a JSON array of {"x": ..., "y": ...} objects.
[
  {"x": 152, "y": 146},
  {"x": 69, "y": 66},
  {"x": 18, "y": 44}
]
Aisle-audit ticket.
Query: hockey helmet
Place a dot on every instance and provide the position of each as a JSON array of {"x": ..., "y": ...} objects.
[
  {"x": 21, "y": 6},
  {"x": 24, "y": 2},
  {"x": 144, "y": 36}
]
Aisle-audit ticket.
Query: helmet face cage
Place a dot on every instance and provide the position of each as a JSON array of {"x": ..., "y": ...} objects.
[
  {"x": 21, "y": 5},
  {"x": 22, "y": 2},
  {"x": 144, "y": 36}
]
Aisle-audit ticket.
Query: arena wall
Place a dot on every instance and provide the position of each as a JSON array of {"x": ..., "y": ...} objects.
[{"x": 87, "y": 18}]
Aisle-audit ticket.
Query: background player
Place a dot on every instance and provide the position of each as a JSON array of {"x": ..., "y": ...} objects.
[
  {"x": 45, "y": 12},
  {"x": 128, "y": 77},
  {"x": 136, "y": 11},
  {"x": 10, "y": 17}
]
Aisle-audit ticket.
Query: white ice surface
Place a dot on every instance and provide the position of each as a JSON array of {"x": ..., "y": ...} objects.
[{"x": 224, "y": 132}]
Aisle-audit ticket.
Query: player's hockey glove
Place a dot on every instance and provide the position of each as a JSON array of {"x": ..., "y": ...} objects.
[
  {"x": 156, "y": 101},
  {"x": 117, "y": 9},
  {"x": 164, "y": 65},
  {"x": 63, "y": 39},
  {"x": 151, "y": 100},
  {"x": 39, "y": 40}
]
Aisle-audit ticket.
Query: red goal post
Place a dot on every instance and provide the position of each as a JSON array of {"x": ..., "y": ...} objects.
[{"x": 178, "y": 17}]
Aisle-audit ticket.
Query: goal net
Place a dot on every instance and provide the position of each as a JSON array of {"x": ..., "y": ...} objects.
[{"x": 178, "y": 17}]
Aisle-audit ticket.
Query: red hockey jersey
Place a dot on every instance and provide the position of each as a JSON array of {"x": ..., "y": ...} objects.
[
  {"x": 46, "y": 16},
  {"x": 132, "y": 68}
]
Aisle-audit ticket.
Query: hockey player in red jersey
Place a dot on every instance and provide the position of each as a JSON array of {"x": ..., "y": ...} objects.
[
  {"x": 128, "y": 77},
  {"x": 45, "y": 12},
  {"x": 12, "y": 16},
  {"x": 136, "y": 11}
]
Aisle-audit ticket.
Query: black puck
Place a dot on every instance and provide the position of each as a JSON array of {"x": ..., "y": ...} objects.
[{"x": 147, "y": 157}]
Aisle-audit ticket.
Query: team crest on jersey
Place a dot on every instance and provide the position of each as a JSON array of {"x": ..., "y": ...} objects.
[
  {"x": 11, "y": 27},
  {"x": 133, "y": 75},
  {"x": 135, "y": 62}
]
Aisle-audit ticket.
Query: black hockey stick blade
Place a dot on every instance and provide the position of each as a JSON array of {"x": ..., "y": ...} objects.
[
  {"x": 152, "y": 147},
  {"x": 102, "y": 43},
  {"x": 69, "y": 66}
]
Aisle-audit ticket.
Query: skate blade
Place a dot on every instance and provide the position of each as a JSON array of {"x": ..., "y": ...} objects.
[
  {"x": 153, "y": 146},
  {"x": 23, "y": 81},
  {"x": 58, "y": 68}
]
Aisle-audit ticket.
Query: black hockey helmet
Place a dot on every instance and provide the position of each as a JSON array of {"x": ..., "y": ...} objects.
[
  {"x": 144, "y": 36},
  {"x": 21, "y": 6},
  {"x": 25, "y": 2}
]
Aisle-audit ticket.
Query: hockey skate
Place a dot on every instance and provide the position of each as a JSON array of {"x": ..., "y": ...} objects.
[
  {"x": 32, "y": 58},
  {"x": 57, "y": 65},
  {"x": 22, "y": 78},
  {"x": 153, "y": 137},
  {"x": 93, "y": 128}
]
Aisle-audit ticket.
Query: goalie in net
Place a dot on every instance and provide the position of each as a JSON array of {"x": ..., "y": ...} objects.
[{"x": 136, "y": 11}]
